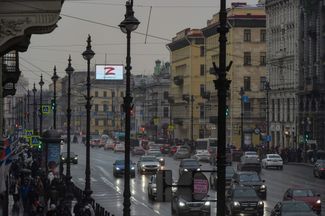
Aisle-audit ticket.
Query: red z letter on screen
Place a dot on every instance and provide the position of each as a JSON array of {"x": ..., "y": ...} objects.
[{"x": 109, "y": 70}]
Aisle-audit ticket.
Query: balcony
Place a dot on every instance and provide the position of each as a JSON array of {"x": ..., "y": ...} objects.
[
  {"x": 178, "y": 121},
  {"x": 206, "y": 95},
  {"x": 178, "y": 80},
  {"x": 213, "y": 119}
]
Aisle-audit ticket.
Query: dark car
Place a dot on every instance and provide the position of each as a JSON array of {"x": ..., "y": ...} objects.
[
  {"x": 306, "y": 195},
  {"x": 119, "y": 168},
  {"x": 251, "y": 179},
  {"x": 138, "y": 151},
  {"x": 319, "y": 168},
  {"x": 244, "y": 200},
  {"x": 73, "y": 157},
  {"x": 292, "y": 208},
  {"x": 248, "y": 163},
  {"x": 180, "y": 206},
  {"x": 188, "y": 165},
  {"x": 229, "y": 175}
]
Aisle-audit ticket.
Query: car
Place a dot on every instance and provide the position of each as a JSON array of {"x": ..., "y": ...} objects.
[
  {"x": 173, "y": 149},
  {"x": 250, "y": 179},
  {"x": 319, "y": 168},
  {"x": 119, "y": 168},
  {"x": 120, "y": 147},
  {"x": 103, "y": 140},
  {"x": 109, "y": 145},
  {"x": 180, "y": 206},
  {"x": 138, "y": 151},
  {"x": 292, "y": 208},
  {"x": 306, "y": 195},
  {"x": 182, "y": 152},
  {"x": 249, "y": 164},
  {"x": 202, "y": 156},
  {"x": 165, "y": 148},
  {"x": 158, "y": 155},
  {"x": 73, "y": 157},
  {"x": 148, "y": 164},
  {"x": 272, "y": 160},
  {"x": 213, "y": 156},
  {"x": 251, "y": 154},
  {"x": 243, "y": 200},
  {"x": 230, "y": 171},
  {"x": 152, "y": 188},
  {"x": 188, "y": 165},
  {"x": 94, "y": 140}
]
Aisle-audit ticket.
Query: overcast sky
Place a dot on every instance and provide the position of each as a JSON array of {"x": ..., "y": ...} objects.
[{"x": 167, "y": 18}]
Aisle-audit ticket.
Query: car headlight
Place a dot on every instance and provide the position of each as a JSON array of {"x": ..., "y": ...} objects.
[
  {"x": 132, "y": 168},
  {"x": 75, "y": 158},
  {"x": 185, "y": 170},
  {"x": 181, "y": 204},
  {"x": 117, "y": 168},
  {"x": 260, "y": 203},
  {"x": 62, "y": 158},
  {"x": 161, "y": 159},
  {"x": 318, "y": 201},
  {"x": 262, "y": 187},
  {"x": 154, "y": 189},
  {"x": 236, "y": 204},
  {"x": 207, "y": 203},
  {"x": 142, "y": 166},
  {"x": 198, "y": 169}
]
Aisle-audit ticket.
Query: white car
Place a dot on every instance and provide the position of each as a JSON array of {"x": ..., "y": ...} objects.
[
  {"x": 119, "y": 147},
  {"x": 148, "y": 164},
  {"x": 202, "y": 156},
  {"x": 272, "y": 160}
]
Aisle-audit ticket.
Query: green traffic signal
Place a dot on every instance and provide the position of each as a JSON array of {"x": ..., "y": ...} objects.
[
  {"x": 227, "y": 111},
  {"x": 53, "y": 105}
]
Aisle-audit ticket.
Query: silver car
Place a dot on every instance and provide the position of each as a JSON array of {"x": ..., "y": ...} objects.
[
  {"x": 182, "y": 153},
  {"x": 148, "y": 164},
  {"x": 152, "y": 188}
]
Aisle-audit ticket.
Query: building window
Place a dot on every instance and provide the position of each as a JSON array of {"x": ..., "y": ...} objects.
[
  {"x": 113, "y": 94},
  {"x": 279, "y": 110},
  {"x": 202, "y": 111},
  {"x": 288, "y": 109},
  {"x": 202, "y": 70},
  {"x": 166, "y": 112},
  {"x": 247, "y": 58},
  {"x": 262, "y": 83},
  {"x": 247, "y": 83},
  {"x": 247, "y": 35},
  {"x": 96, "y": 122},
  {"x": 247, "y": 109},
  {"x": 273, "y": 110},
  {"x": 166, "y": 94},
  {"x": 201, "y": 51},
  {"x": 96, "y": 93},
  {"x": 122, "y": 94},
  {"x": 105, "y": 107},
  {"x": 263, "y": 35},
  {"x": 105, "y": 93},
  {"x": 263, "y": 58},
  {"x": 202, "y": 89},
  {"x": 96, "y": 107}
]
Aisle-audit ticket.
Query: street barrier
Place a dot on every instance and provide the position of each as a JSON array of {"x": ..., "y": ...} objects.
[{"x": 99, "y": 210}]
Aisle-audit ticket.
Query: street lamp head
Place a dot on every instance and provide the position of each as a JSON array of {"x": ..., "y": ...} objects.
[
  {"x": 55, "y": 77},
  {"x": 242, "y": 92},
  {"x": 41, "y": 82},
  {"x": 34, "y": 89},
  {"x": 69, "y": 70},
  {"x": 130, "y": 23},
  {"x": 88, "y": 53}
]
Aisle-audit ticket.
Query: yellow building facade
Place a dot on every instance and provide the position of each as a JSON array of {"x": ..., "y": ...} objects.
[{"x": 246, "y": 48}]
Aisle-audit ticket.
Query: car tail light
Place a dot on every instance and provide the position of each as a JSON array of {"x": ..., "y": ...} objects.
[{"x": 322, "y": 169}]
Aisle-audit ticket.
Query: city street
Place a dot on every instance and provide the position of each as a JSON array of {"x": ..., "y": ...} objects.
[{"x": 108, "y": 190}]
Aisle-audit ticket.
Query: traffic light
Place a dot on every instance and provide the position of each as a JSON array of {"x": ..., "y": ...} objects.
[
  {"x": 53, "y": 105},
  {"x": 227, "y": 111},
  {"x": 40, "y": 145},
  {"x": 306, "y": 136}
]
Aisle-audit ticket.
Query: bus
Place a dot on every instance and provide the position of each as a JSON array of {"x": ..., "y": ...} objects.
[{"x": 205, "y": 145}]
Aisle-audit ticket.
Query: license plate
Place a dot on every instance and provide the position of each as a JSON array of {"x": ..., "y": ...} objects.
[{"x": 249, "y": 209}]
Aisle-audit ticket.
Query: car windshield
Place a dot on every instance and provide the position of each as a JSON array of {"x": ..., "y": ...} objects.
[
  {"x": 249, "y": 178},
  {"x": 65, "y": 154},
  {"x": 121, "y": 162},
  {"x": 295, "y": 207},
  {"x": 246, "y": 192},
  {"x": 148, "y": 159},
  {"x": 155, "y": 153},
  {"x": 251, "y": 153},
  {"x": 190, "y": 163},
  {"x": 302, "y": 193},
  {"x": 274, "y": 157}
]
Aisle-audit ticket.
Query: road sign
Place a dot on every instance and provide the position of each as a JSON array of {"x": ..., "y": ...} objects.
[
  {"x": 45, "y": 109},
  {"x": 164, "y": 182},
  {"x": 245, "y": 98},
  {"x": 34, "y": 140},
  {"x": 28, "y": 132}
]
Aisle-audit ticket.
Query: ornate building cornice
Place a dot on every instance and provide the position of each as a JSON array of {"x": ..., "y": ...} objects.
[{"x": 20, "y": 19}]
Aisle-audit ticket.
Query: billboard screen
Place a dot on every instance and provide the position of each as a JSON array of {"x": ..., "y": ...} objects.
[{"x": 109, "y": 72}]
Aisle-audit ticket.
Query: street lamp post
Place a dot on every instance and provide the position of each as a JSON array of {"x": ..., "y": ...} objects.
[
  {"x": 129, "y": 24},
  {"x": 34, "y": 111},
  {"x": 41, "y": 83},
  {"x": 267, "y": 88},
  {"x": 88, "y": 54},
  {"x": 192, "y": 124},
  {"x": 69, "y": 70},
  {"x": 242, "y": 93},
  {"x": 54, "y": 78}
]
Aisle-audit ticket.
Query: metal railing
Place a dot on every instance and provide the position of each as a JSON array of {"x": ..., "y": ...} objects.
[{"x": 98, "y": 209}]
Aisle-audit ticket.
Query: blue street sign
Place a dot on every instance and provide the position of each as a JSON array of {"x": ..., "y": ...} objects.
[
  {"x": 245, "y": 98},
  {"x": 268, "y": 138},
  {"x": 35, "y": 140}
]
